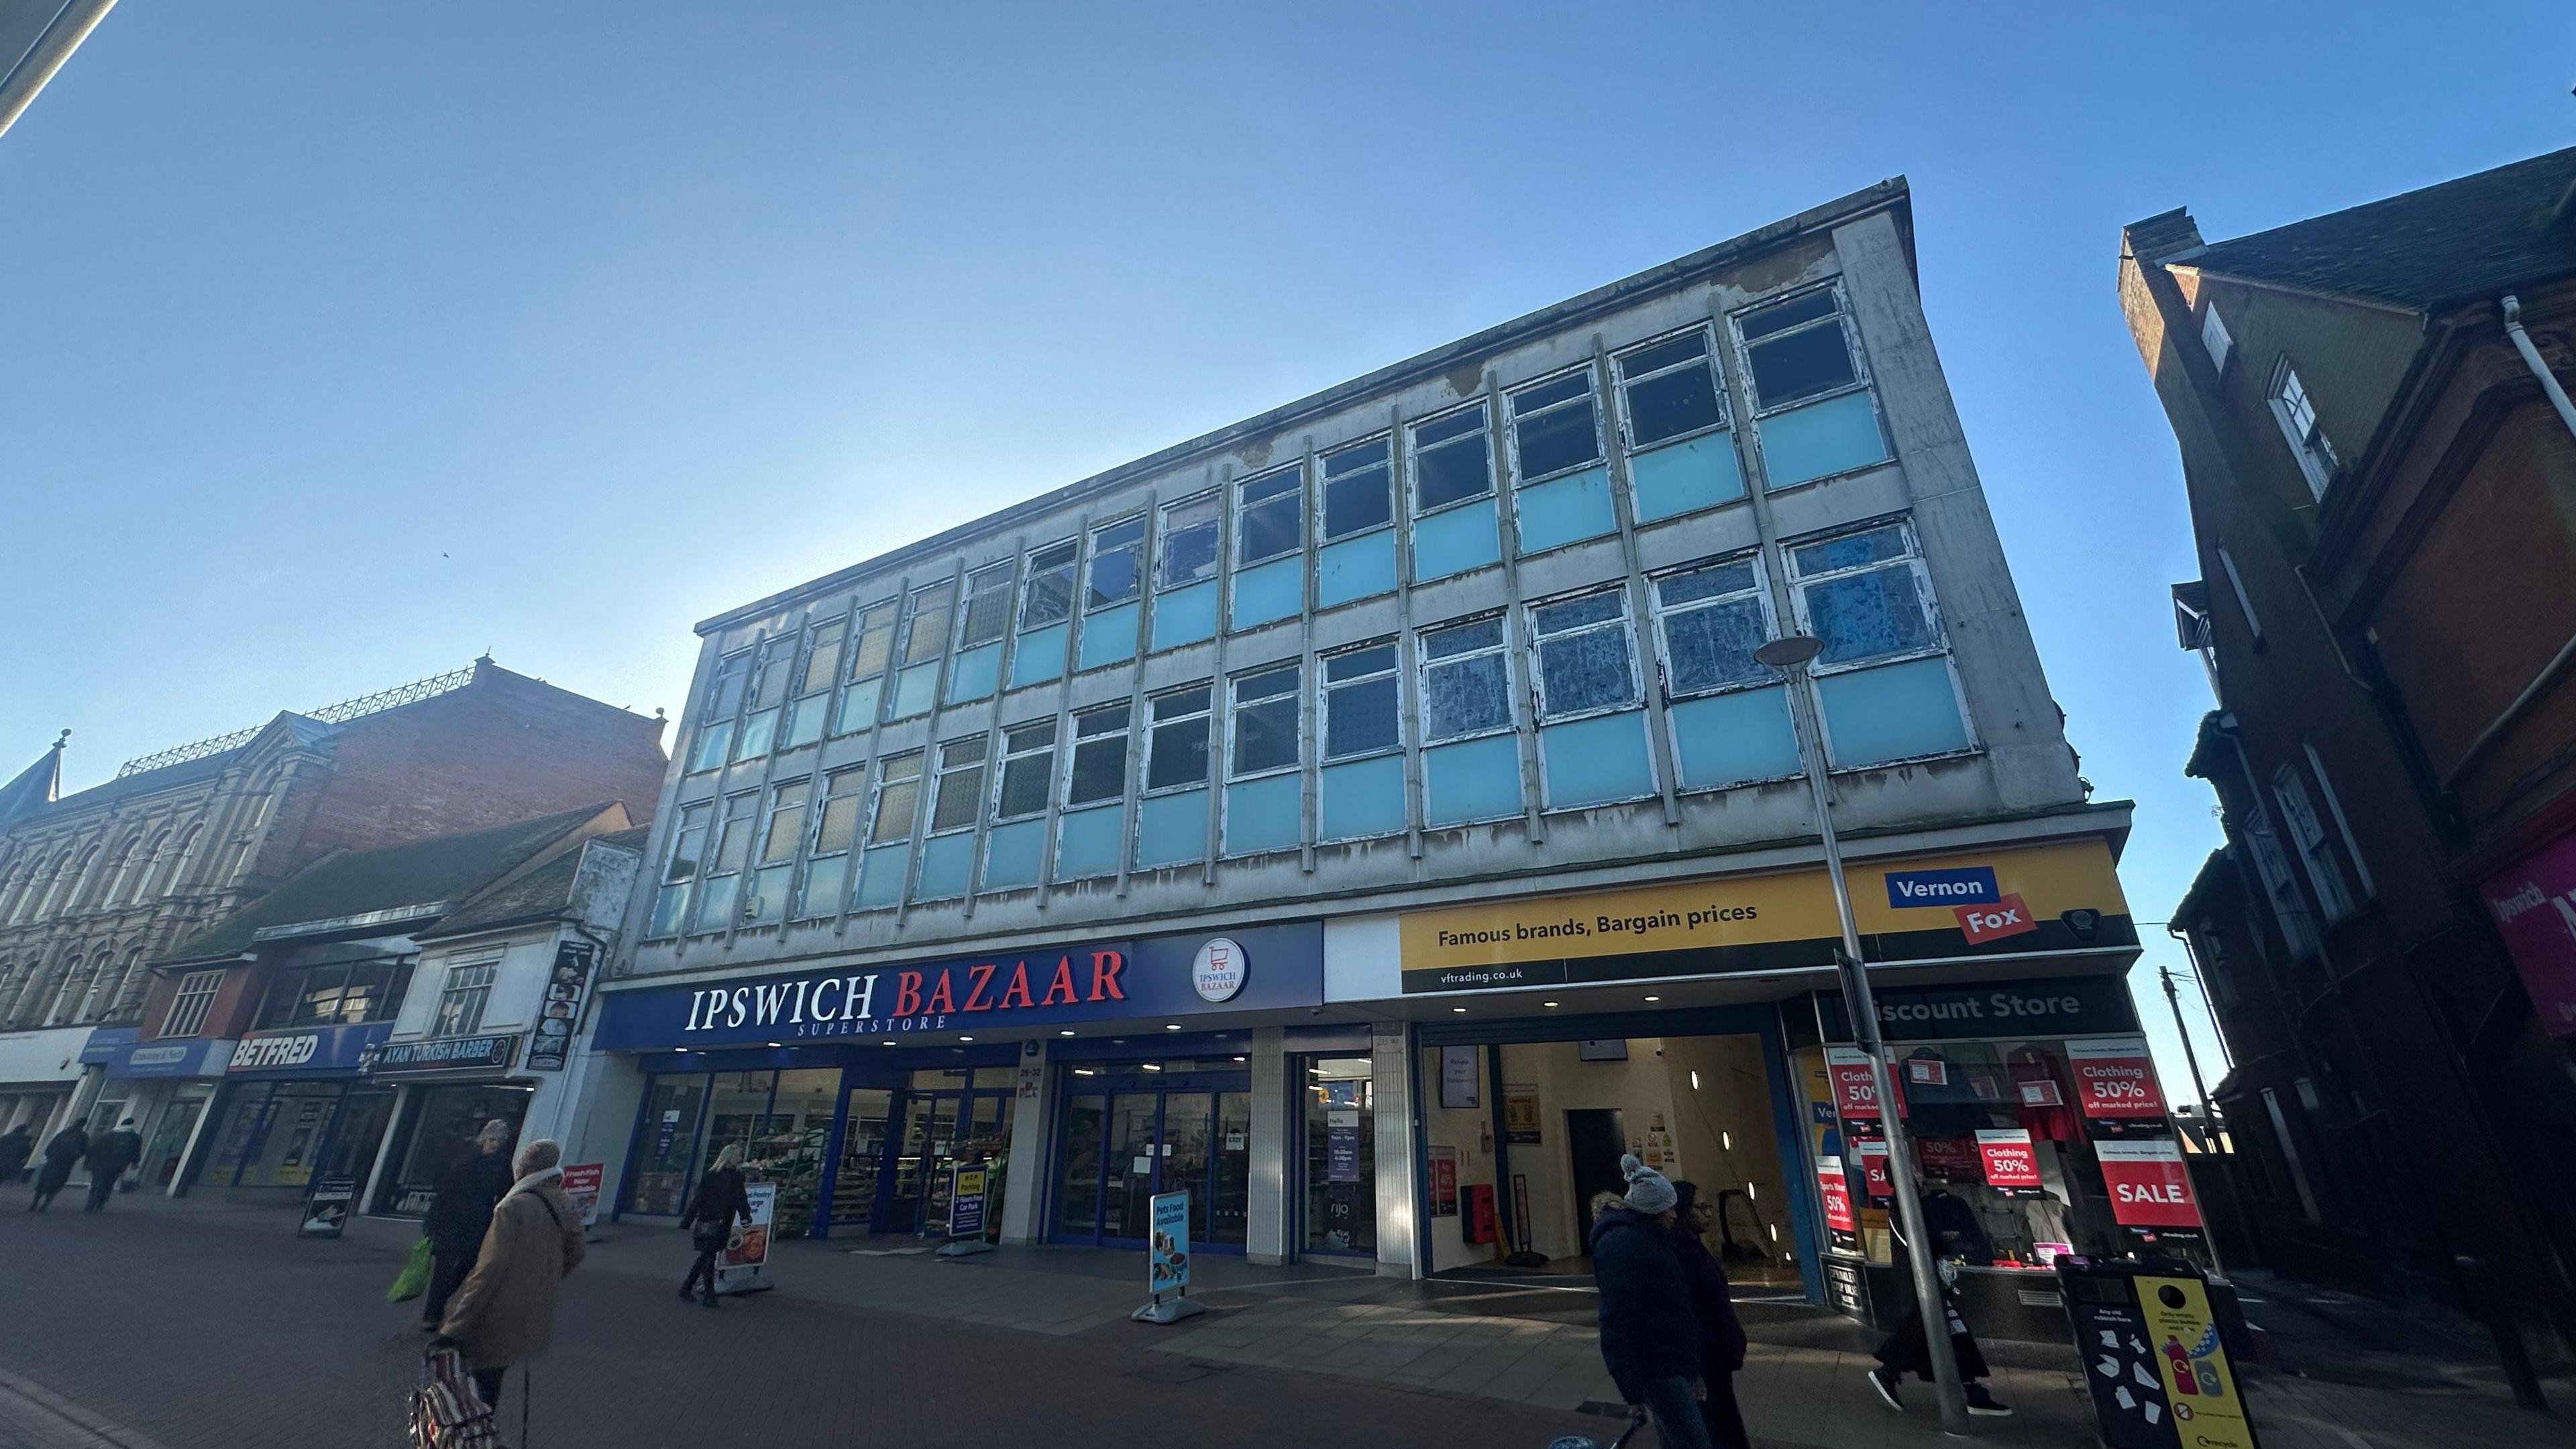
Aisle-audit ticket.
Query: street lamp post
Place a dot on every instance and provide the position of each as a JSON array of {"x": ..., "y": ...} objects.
[{"x": 1792, "y": 656}]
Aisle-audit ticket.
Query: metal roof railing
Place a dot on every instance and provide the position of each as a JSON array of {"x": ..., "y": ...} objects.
[{"x": 341, "y": 713}]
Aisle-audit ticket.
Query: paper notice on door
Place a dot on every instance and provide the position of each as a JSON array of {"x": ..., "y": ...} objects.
[{"x": 1142, "y": 1165}]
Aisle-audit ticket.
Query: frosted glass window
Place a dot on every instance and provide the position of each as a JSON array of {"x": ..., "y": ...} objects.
[
  {"x": 1466, "y": 680},
  {"x": 1361, "y": 708},
  {"x": 1586, "y": 661},
  {"x": 1028, "y": 769}
]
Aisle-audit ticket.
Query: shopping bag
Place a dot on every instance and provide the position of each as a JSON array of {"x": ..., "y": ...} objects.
[
  {"x": 413, "y": 1280},
  {"x": 445, "y": 1412}
]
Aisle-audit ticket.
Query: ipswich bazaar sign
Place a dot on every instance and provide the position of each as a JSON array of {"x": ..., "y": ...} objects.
[{"x": 1272, "y": 967}]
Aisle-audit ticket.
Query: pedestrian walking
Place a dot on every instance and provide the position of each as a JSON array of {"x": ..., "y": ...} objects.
[
  {"x": 460, "y": 1214},
  {"x": 68, "y": 1147},
  {"x": 1909, "y": 1349},
  {"x": 720, "y": 1202},
  {"x": 16, "y": 1146},
  {"x": 109, "y": 1156},
  {"x": 504, "y": 1312},
  {"x": 1650, "y": 1336},
  {"x": 1721, "y": 1335}
]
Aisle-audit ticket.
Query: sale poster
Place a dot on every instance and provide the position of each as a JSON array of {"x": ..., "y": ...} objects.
[
  {"x": 1444, "y": 1182},
  {"x": 2114, "y": 1078},
  {"x": 1950, "y": 1159},
  {"x": 2150, "y": 1187},
  {"x": 1839, "y": 1222},
  {"x": 1855, "y": 1086},
  {"x": 1876, "y": 1181},
  {"x": 2010, "y": 1160}
]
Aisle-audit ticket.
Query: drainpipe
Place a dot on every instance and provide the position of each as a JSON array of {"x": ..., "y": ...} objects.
[{"x": 2531, "y": 358}]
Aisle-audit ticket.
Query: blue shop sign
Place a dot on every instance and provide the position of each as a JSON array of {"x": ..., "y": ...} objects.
[
  {"x": 313, "y": 1051},
  {"x": 184, "y": 1057},
  {"x": 106, "y": 1042},
  {"x": 1966, "y": 886},
  {"x": 1257, "y": 968}
]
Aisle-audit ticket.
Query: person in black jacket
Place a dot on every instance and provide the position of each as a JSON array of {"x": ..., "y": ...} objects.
[
  {"x": 1649, "y": 1333},
  {"x": 109, "y": 1156},
  {"x": 460, "y": 1214},
  {"x": 1721, "y": 1336},
  {"x": 721, "y": 1201},
  {"x": 16, "y": 1146},
  {"x": 68, "y": 1147}
]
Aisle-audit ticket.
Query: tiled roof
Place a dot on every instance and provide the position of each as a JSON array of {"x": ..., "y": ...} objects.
[
  {"x": 2477, "y": 236},
  {"x": 449, "y": 868}
]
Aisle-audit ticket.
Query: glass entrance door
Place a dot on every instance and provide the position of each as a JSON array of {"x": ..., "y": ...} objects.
[
  {"x": 863, "y": 1150},
  {"x": 1139, "y": 1138},
  {"x": 1126, "y": 1209},
  {"x": 920, "y": 1190}
]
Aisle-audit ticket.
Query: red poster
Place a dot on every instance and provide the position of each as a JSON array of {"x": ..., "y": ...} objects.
[
  {"x": 1855, "y": 1088},
  {"x": 1875, "y": 1179},
  {"x": 1444, "y": 1182},
  {"x": 2114, "y": 1077},
  {"x": 1837, "y": 1195},
  {"x": 2010, "y": 1162},
  {"x": 1993, "y": 922},
  {"x": 1950, "y": 1159},
  {"x": 2149, "y": 1186},
  {"x": 2534, "y": 905}
]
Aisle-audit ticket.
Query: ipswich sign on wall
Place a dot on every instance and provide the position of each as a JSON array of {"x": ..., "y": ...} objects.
[{"x": 1054, "y": 985}]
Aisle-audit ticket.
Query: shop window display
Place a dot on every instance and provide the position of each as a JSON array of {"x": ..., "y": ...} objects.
[{"x": 444, "y": 1124}]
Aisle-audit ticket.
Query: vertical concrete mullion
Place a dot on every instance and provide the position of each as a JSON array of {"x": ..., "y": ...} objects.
[
  {"x": 1733, "y": 373},
  {"x": 1077, "y": 623},
  {"x": 930, "y": 739},
  {"x": 1133, "y": 784},
  {"x": 768, "y": 768},
  {"x": 814, "y": 790},
  {"x": 1220, "y": 696},
  {"x": 866, "y": 825},
  {"x": 676, "y": 776},
  {"x": 1641, "y": 616},
  {"x": 1010, "y": 642},
  {"x": 1507, "y": 535}
]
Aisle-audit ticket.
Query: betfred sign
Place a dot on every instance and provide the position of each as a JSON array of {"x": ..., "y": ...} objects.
[
  {"x": 2114, "y": 1077},
  {"x": 2150, "y": 1187},
  {"x": 2008, "y": 1156},
  {"x": 1995, "y": 921}
]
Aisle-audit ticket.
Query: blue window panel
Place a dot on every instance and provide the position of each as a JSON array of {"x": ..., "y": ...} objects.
[
  {"x": 1039, "y": 656},
  {"x": 1562, "y": 511},
  {"x": 859, "y": 706},
  {"x": 1011, "y": 854},
  {"x": 1728, "y": 739},
  {"x": 825, "y": 879},
  {"x": 975, "y": 673},
  {"x": 1109, "y": 637},
  {"x": 1594, "y": 761},
  {"x": 1268, "y": 593},
  {"x": 1893, "y": 712},
  {"x": 1264, "y": 814},
  {"x": 1363, "y": 797},
  {"x": 1355, "y": 568},
  {"x": 1185, "y": 616},
  {"x": 768, "y": 896},
  {"x": 1686, "y": 477},
  {"x": 1088, "y": 844},
  {"x": 1453, "y": 542},
  {"x": 715, "y": 901},
  {"x": 946, "y": 863},
  {"x": 1171, "y": 829},
  {"x": 1471, "y": 780},
  {"x": 913, "y": 690},
  {"x": 881, "y": 876},
  {"x": 1833, "y": 436}
]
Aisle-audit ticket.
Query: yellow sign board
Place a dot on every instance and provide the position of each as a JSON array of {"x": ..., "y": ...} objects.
[
  {"x": 2201, "y": 1387},
  {"x": 1781, "y": 919}
]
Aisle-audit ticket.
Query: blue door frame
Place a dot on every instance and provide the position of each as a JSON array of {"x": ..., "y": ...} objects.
[
  {"x": 1109, "y": 1086},
  {"x": 1755, "y": 1019}
]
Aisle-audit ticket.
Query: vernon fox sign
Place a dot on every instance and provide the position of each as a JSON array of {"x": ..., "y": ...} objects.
[
  {"x": 1249, "y": 968},
  {"x": 844, "y": 1005}
]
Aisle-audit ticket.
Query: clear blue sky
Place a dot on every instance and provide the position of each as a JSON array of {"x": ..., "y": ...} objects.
[{"x": 341, "y": 342}]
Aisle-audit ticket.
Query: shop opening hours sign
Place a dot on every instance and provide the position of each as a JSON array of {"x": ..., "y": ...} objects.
[{"x": 2114, "y": 1077}]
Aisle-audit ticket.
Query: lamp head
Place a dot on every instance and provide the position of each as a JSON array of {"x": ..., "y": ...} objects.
[{"x": 1790, "y": 651}]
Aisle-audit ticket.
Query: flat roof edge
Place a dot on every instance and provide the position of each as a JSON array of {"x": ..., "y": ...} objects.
[{"x": 1668, "y": 276}]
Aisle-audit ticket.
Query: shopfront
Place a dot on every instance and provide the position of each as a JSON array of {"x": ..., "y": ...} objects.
[
  {"x": 855, "y": 1090},
  {"x": 295, "y": 1107},
  {"x": 39, "y": 1074},
  {"x": 447, "y": 1088},
  {"x": 166, "y": 1086}
]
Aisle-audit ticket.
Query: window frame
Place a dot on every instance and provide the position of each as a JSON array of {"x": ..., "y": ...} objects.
[
  {"x": 2309, "y": 845},
  {"x": 1235, "y": 708},
  {"x": 451, "y": 988},
  {"x": 1841, "y": 318},
  {"x": 1074, "y": 740},
  {"x": 1055, "y": 726},
  {"x": 879, "y": 780},
  {"x": 718, "y": 831},
  {"x": 1205, "y": 714},
  {"x": 1625, "y": 624},
  {"x": 1386, "y": 443},
  {"x": 1205, "y": 497},
  {"x": 686, "y": 885},
  {"x": 1936, "y": 637},
  {"x": 1424, "y": 663},
  {"x": 941, "y": 769},
  {"x": 775, "y": 658},
  {"x": 1244, "y": 510},
  {"x": 1621, "y": 380},
  {"x": 854, "y": 649},
  {"x": 2309, "y": 445},
  {"x": 1660, "y": 612},
  {"x": 209, "y": 985},
  {"x": 1008, "y": 571},
  {"x": 2223, "y": 350},
  {"x": 801, "y": 686},
  {"x": 1413, "y": 457},
  {"x": 1091, "y": 553},
  {"x": 734, "y": 667},
  {"x": 1325, "y": 684},
  {"x": 1032, "y": 571},
  {"x": 1512, "y": 416}
]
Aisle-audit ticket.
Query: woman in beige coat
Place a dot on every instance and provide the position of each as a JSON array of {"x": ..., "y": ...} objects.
[{"x": 505, "y": 1312}]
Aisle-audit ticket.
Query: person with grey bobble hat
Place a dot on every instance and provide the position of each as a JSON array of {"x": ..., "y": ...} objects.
[{"x": 1649, "y": 1325}]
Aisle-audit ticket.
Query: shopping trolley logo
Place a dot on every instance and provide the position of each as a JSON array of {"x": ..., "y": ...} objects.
[{"x": 1218, "y": 971}]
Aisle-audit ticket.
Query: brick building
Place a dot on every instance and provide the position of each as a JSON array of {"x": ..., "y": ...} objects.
[
  {"x": 96, "y": 884},
  {"x": 2381, "y": 462}
]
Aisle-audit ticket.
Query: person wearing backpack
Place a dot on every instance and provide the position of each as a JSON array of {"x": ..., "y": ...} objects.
[
  {"x": 720, "y": 1202},
  {"x": 505, "y": 1311}
]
